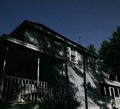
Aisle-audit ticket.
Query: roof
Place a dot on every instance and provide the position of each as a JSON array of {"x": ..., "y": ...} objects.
[{"x": 54, "y": 34}]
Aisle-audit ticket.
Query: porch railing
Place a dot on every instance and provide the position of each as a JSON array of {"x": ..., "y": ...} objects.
[{"x": 20, "y": 90}]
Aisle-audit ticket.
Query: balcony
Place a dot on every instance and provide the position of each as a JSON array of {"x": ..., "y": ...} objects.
[{"x": 21, "y": 90}]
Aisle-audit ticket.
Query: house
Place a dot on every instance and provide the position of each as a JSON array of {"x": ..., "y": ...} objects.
[
  {"x": 41, "y": 69},
  {"x": 110, "y": 91}
]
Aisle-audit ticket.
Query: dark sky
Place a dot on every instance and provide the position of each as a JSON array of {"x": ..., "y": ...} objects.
[{"x": 83, "y": 21}]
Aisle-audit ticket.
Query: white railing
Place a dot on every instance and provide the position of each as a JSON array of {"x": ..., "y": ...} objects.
[{"x": 21, "y": 90}]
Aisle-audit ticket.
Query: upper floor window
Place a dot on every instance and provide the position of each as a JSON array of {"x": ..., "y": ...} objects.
[{"x": 73, "y": 55}]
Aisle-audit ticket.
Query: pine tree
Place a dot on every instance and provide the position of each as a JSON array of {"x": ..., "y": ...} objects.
[{"x": 109, "y": 54}]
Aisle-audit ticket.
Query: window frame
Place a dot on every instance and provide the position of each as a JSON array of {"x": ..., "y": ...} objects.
[{"x": 73, "y": 54}]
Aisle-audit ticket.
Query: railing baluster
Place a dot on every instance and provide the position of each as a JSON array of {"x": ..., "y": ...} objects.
[
  {"x": 17, "y": 99},
  {"x": 24, "y": 95},
  {"x": 14, "y": 88},
  {"x": 31, "y": 91},
  {"x": 16, "y": 92},
  {"x": 21, "y": 88},
  {"x": 28, "y": 91},
  {"x": 25, "y": 90},
  {"x": 6, "y": 92},
  {"x": 34, "y": 90},
  {"x": 10, "y": 84},
  {"x": 33, "y": 96}
]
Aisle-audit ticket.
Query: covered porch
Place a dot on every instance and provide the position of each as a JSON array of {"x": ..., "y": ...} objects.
[
  {"x": 20, "y": 90},
  {"x": 29, "y": 76}
]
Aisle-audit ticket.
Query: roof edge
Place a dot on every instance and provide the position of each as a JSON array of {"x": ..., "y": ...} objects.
[{"x": 55, "y": 34}]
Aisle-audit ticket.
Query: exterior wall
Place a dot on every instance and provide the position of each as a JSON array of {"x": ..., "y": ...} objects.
[
  {"x": 92, "y": 85},
  {"x": 43, "y": 40},
  {"x": 81, "y": 79},
  {"x": 76, "y": 81}
]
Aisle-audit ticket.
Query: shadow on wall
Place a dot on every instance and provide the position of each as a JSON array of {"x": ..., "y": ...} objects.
[
  {"x": 58, "y": 77},
  {"x": 74, "y": 71},
  {"x": 43, "y": 40},
  {"x": 92, "y": 86}
]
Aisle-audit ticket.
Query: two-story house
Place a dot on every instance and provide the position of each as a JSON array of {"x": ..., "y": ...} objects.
[{"x": 41, "y": 69}]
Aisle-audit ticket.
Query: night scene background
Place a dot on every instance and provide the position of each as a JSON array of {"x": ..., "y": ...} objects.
[{"x": 82, "y": 21}]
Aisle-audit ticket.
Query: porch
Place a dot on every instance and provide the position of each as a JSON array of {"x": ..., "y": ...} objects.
[
  {"x": 31, "y": 75},
  {"x": 25, "y": 91}
]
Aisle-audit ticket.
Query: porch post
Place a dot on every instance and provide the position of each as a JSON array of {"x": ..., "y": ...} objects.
[
  {"x": 4, "y": 63},
  {"x": 3, "y": 73},
  {"x": 38, "y": 74}
]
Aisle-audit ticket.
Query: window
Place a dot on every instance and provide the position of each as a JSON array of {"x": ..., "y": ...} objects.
[
  {"x": 103, "y": 90},
  {"x": 73, "y": 55},
  {"x": 112, "y": 91},
  {"x": 118, "y": 90},
  {"x": 109, "y": 90}
]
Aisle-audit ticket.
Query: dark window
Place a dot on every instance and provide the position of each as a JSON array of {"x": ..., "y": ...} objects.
[
  {"x": 107, "y": 90},
  {"x": 102, "y": 90},
  {"x": 112, "y": 92},
  {"x": 116, "y": 92}
]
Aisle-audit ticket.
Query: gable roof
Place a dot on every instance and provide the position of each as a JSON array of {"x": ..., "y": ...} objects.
[{"x": 52, "y": 34}]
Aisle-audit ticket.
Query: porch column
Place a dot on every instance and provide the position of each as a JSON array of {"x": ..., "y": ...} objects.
[
  {"x": 3, "y": 73},
  {"x": 38, "y": 74}
]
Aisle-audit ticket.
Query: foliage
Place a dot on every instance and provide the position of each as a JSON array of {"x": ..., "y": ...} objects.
[
  {"x": 109, "y": 54},
  {"x": 92, "y": 49}
]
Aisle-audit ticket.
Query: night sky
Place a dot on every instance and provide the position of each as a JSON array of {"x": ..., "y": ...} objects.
[{"x": 83, "y": 21}]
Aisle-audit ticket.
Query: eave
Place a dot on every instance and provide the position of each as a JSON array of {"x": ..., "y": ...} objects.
[{"x": 31, "y": 47}]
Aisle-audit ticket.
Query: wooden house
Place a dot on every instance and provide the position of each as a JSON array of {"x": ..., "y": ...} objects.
[{"x": 41, "y": 69}]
